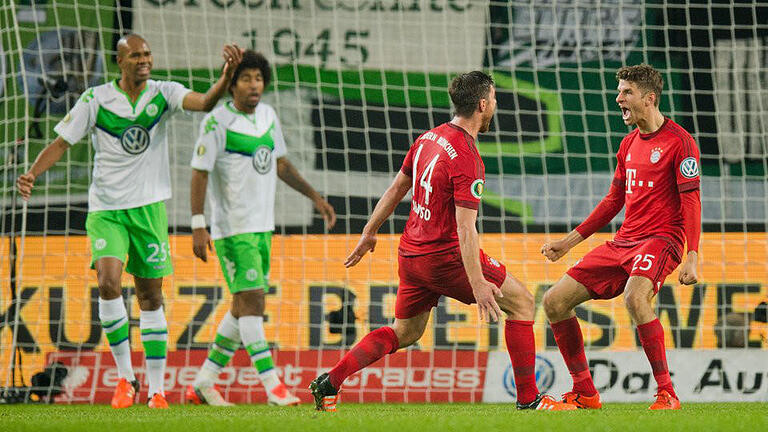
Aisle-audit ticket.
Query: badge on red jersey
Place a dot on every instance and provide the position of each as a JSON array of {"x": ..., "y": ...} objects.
[
  {"x": 656, "y": 154},
  {"x": 689, "y": 168},
  {"x": 477, "y": 188}
]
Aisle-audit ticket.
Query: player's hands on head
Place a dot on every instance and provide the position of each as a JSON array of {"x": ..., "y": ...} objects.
[
  {"x": 24, "y": 185},
  {"x": 688, "y": 274},
  {"x": 327, "y": 211},
  {"x": 555, "y": 250},
  {"x": 367, "y": 243},
  {"x": 201, "y": 243},
  {"x": 233, "y": 55},
  {"x": 485, "y": 295}
]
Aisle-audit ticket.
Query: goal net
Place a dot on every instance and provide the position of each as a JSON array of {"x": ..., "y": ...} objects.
[{"x": 354, "y": 82}]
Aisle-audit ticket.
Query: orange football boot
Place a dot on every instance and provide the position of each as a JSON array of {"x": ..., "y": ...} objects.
[
  {"x": 125, "y": 393},
  {"x": 545, "y": 402},
  {"x": 158, "y": 402},
  {"x": 665, "y": 401},
  {"x": 583, "y": 402}
]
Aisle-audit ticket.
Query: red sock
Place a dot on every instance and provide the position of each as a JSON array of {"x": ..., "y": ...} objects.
[
  {"x": 652, "y": 338},
  {"x": 522, "y": 352},
  {"x": 372, "y": 347},
  {"x": 571, "y": 344}
]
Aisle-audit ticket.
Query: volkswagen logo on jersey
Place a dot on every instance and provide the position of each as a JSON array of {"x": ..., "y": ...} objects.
[
  {"x": 689, "y": 168},
  {"x": 135, "y": 139},
  {"x": 262, "y": 159},
  {"x": 545, "y": 377}
]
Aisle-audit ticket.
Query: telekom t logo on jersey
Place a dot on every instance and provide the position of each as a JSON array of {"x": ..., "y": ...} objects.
[{"x": 632, "y": 180}]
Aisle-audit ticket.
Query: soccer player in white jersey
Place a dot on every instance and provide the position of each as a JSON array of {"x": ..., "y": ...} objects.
[
  {"x": 242, "y": 149},
  {"x": 127, "y": 121}
]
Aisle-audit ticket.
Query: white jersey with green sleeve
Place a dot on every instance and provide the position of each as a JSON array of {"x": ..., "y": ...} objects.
[
  {"x": 130, "y": 165},
  {"x": 240, "y": 152}
]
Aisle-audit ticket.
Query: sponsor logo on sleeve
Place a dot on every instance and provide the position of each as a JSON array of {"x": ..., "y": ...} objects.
[
  {"x": 689, "y": 168},
  {"x": 477, "y": 188},
  {"x": 200, "y": 150},
  {"x": 210, "y": 125}
]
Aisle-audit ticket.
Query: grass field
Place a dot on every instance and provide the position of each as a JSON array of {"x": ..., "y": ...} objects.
[{"x": 380, "y": 417}]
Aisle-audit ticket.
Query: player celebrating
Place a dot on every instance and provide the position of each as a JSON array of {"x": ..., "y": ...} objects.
[
  {"x": 657, "y": 177},
  {"x": 439, "y": 251},
  {"x": 241, "y": 145},
  {"x": 127, "y": 120}
]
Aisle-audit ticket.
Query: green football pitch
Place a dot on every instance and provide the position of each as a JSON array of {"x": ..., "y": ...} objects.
[{"x": 384, "y": 417}]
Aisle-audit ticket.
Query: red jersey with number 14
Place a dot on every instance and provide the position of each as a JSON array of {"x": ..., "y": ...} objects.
[{"x": 447, "y": 172}]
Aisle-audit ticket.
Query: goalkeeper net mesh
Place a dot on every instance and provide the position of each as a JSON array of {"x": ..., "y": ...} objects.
[{"x": 354, "y": 82}]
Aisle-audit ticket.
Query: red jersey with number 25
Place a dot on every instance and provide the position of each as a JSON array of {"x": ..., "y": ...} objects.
[
  {"x": 447, "y": 172},
  {"x": 654, "y": 170}
]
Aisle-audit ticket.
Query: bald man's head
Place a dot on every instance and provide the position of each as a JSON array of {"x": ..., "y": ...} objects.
[
  {"x": 134, "y": 58},
  {"x": 129, "y": 43}
]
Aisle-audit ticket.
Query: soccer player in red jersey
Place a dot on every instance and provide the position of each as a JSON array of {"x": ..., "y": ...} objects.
[
  {"x": 439, "y": 250},
  {"x": 657, "y": 179}
]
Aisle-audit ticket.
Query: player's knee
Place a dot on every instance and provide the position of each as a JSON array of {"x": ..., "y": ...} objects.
[
  {"x": 407, "y": 336},
  {"x": 246, "y": 303},
  {"x": 151, "y": 300},
  {"x": 635, "y": 303},
  {"x": 527, "y": 301},
  {"x": 110, "y": 287},
  {"x": 517, "y": 299},
  {"x": 554, "y": 307}
]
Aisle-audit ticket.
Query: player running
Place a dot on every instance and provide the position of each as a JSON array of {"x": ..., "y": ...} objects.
[
  {"x": 657, "y": 177},
  {"x": 127, "y": 120},
  {"x": 439, "y": 250},
  {"x": 241, "y": 148}
]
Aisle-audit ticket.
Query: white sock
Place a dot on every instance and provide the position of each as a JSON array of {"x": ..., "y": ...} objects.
[
  {"x": 252, "y": 332},
  {"x": 222, "y": 349},
  {"x": 114, "y": 321},
  {"x": 154, "y": 337}
]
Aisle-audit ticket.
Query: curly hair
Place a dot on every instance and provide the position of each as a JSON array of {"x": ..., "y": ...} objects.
[
  {"x": 645, "y": 77},
  {"x": 253, "y": 60}
]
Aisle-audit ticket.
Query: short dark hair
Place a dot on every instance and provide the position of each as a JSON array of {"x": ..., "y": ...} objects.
[
  {"x": 645, "y": 77},
  {"x": 467, "y": 89},
  {"x": 253, "y": 60}
]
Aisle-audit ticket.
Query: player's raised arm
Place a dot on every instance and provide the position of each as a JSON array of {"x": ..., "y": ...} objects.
[
  {"x": 386, "y": 205},
  {"x": 195, "y": 101},
  {"x": 290, "y": 175}
]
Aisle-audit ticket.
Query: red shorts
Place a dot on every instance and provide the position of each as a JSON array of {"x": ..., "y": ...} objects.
[
  {"x": 424, "y": 278},
  {"x": 605, "y": 269}
]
